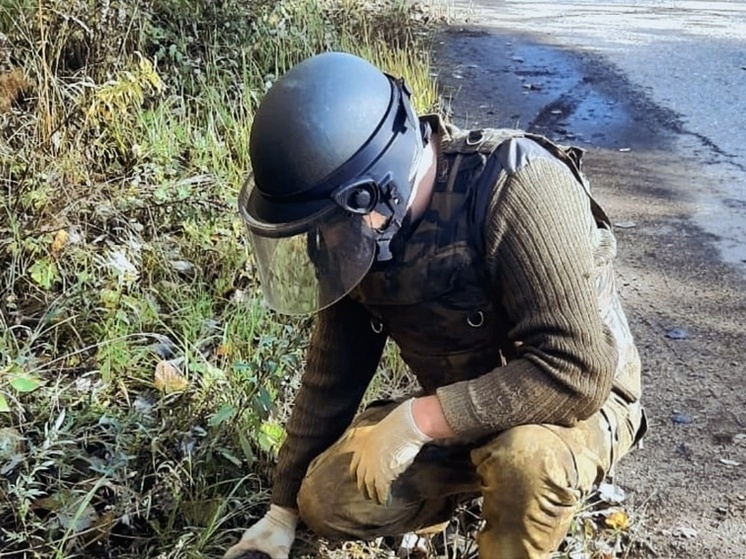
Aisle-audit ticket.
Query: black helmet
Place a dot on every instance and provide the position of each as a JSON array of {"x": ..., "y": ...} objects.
[{"x": 333, "y": 140}]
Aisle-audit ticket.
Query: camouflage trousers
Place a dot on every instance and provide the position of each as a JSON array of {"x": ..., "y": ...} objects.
[{"x": 532, "y": 479}]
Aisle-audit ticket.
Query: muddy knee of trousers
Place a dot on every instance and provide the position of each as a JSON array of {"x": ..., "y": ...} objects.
[
  {"x": 330, "y": 504},
  {"x": 524, "y": 461},
  {"x": 338, "y": 511},
  {"x": 531, "y": 491}
]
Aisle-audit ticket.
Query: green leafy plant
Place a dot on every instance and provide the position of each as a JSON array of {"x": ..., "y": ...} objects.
[{"x": 144, "y": 384}]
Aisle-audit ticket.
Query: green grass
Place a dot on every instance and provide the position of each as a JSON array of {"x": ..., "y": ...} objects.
[{"x": 143, "y": 381}]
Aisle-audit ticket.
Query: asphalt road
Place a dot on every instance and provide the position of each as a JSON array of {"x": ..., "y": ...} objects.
[
  {"x": 656, "y": 93},
  {"x": 681, "y": 64}
]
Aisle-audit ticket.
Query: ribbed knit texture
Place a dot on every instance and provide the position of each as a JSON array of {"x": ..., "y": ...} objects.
[
  {"x": 540, "y": 252},
  {"x": 343, "y": 356},
  {"x": 541, "y": 242}
]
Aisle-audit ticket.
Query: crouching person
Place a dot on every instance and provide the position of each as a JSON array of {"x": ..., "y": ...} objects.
[{"x": 482, "y": 255}]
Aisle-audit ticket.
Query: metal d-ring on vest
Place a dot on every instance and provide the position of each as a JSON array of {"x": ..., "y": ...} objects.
[
  {"x": 475, "y": 319},
  {"x": 474, "y": 137}
]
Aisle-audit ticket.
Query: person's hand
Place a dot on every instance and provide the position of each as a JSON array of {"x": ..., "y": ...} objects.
[
  {"x": 381, "y": 452},
  {"x": 273, "y": 534}
]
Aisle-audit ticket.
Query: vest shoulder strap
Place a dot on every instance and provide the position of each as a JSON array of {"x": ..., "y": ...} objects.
[
  {"x": 485, "y": 141},
  {"x": 482, "y": 140}
]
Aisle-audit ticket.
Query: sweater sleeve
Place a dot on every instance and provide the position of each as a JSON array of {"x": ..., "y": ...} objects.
[
  {"x": 539, "y": 235},
  {"x": 342, "y": 358}
]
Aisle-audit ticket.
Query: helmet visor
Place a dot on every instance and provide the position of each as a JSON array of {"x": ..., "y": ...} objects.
[{"x": 314, "y": 268}]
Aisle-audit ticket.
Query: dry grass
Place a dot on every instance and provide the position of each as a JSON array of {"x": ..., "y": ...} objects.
[{"x": 143, "y": 381}]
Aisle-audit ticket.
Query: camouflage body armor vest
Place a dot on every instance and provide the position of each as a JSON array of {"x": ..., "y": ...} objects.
[{"x": 432, "y": 298}]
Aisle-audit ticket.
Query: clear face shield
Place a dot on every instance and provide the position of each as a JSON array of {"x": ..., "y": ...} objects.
[
  {"x": 317, "y": 263},
  {"x": 309, "y": 262}
]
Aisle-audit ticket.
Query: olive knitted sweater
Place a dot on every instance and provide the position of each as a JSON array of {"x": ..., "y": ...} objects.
[{"x": 543, "y": 253}]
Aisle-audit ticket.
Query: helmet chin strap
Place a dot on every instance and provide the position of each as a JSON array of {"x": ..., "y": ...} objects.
[
  {"x": 395, "y": 210},
  {"x": 398, "y": 209},
  {"x": 384, "y": 254}
]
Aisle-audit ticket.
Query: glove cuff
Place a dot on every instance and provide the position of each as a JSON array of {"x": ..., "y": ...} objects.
[
  {"x": 282, "y": 516},
  {"x": 417, "y": 435}
]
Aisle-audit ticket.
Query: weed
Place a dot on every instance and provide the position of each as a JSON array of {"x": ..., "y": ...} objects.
[{"x": 143, "y": 381}]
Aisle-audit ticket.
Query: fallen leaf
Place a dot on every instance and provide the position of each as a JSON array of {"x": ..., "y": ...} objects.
[
  {"x": 11, "y": 442},
  {"x": 618, "y": 521},
  {"x": 611, "y": 493},
  {"x": 60, "y": 241},
  {"x": 182, "y": 266},
  {"x": 118, "y": 262},
  {"x": 168, "y": 378},
  {"x": 24, "y": 383},
  {"x": 44, "y": 272}
]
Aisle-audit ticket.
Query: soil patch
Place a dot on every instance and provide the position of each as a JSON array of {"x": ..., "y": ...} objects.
[{"x": 686, "y": 485}]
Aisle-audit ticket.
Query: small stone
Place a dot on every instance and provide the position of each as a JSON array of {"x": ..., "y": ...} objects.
[
  {"x": 684, "y": 451},
  {"x": 685, "y": 532},
  {"x": 681, "y": 418},
  {"x": 677, "y": 334}
]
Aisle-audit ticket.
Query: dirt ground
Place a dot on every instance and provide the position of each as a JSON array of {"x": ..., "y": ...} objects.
[{"x": 687, "y": 485}]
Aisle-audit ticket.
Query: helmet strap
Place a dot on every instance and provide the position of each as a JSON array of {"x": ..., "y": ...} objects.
[{"x": 383, "y": 241}]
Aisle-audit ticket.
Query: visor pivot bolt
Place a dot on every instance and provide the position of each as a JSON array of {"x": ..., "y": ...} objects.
[{"x": 361, "y": 199}]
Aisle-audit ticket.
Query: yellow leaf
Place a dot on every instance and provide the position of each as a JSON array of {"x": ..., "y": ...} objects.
[
  {"x": 60, "y": 240},
  {"x": 168, "y": 378},
  {"x": 618, "y": 521}
]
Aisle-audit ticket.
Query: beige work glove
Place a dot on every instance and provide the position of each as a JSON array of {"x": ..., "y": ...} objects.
[
  {"x": 273, "y": 534},
  {"x": 381, "y": 452}
]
